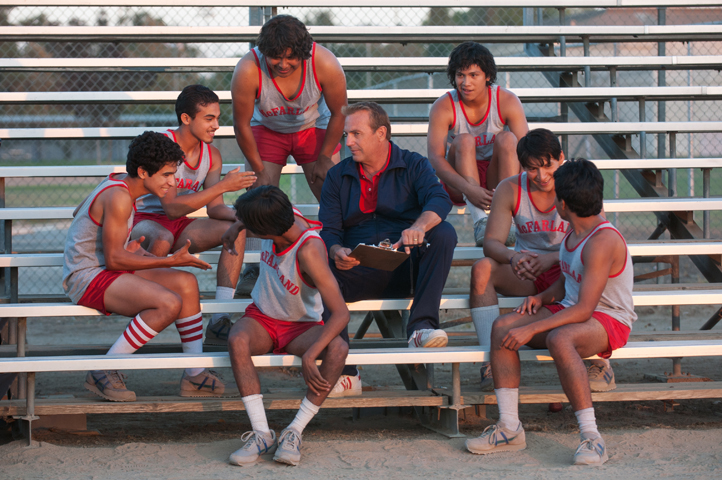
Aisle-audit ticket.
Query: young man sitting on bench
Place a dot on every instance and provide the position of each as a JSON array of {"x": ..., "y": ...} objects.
[
  {"x": 294, "y": 283},
  {"x": 589, "y": 311}
]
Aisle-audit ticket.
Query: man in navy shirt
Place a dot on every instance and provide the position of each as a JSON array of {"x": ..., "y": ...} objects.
[{"x": 384, "y": 192}]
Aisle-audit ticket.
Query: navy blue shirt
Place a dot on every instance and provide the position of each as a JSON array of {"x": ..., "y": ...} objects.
[{"x": 407, "y": 188}]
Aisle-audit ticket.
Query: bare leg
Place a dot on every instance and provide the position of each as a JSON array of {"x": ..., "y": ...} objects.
[
  {"x": 462, "y": 158},
  {"x": 316, "y": 187},
  {"x": 273, "y": 170},
  {"x": 568, "y": 345},
  {"x": 334, "y": 359},
  {"x": 205, "y": 234},
  {"x": 504, "y": 161},
  {"x": 158, "y": 240},
  {"x": 488, "y": 278},
  {"x": 247, "y": 338},
  {"x": 160, "y": 295},
  {"x": 505, "y": 365}
]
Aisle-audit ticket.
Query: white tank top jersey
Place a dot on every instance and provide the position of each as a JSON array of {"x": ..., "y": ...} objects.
[
  {"x": 485, "y": 131},
  {"x": 536, "y": 231},
  {"x": 187, "y": 179},
  {"x": 616, "y": 300},
  {"x": 83, "y": 257},
  {"x": 289, "y": 115},
  {"x": 280, "y": 291}
]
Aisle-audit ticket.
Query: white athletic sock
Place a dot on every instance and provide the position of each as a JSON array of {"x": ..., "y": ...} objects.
[
  {"x": 256, "y": 412},
  {"x": 476, "y": 212},
  {"x": 191, "y": 334},
  {"x": 307, "y": 411},
  {"x": 222, "y": 293},
  {"x": 508, "y": 401},
  {"x": 136, "y": 334},
  {"x": 483, "y": 318},
  {"x": 587, "y": 423}
]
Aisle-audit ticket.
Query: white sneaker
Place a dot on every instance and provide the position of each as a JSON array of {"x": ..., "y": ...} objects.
[
  {"x": 257, "y": 444},
  {"x": 289, "y": 447},
  {"x": 346, "y": 386},
  {"x": 428, "y": 338},
  {"x": 496, "y": 438},
  {"x": 592, "y": 451}
]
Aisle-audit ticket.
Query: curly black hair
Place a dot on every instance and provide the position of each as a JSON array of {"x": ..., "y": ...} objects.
[
  {"x": 265, "y": 210},
  {"x": 151, "y": 151},
  {"x": 191, "y": 97},
  {"x": 537, "y": 148},
  {"x": 468, "y": 54},
  {"x": 283, "y": 32},
  {"x": 580, "y": 184}
]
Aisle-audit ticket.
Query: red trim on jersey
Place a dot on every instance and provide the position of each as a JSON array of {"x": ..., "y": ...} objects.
[
  {"x": 528, "y": 189},
  {"x": 303, "y": 82},
  {"x": 210, "y": 157},
  {"x": 583, "y": 239},
  {"x": 453, "y": 109},
  {"x": 518, "y": 195},
  {"x": 313, "y": 66},
  {"x": 285, "y": 251},
  {"x": 185, "y": 160},
  {"x": 124, "y": 185},
  {"x": 625, "y": 249},
  {"x": 260, "y": 76},
  {"x": 498, "y": 105},
  {"x": 298, "y": 266},
  {"x": 486, "y": 115}
]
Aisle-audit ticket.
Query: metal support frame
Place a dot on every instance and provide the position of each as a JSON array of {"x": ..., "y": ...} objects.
[
  {"x": 445, "y": 419},
  {"x": 26, "y": 421}
]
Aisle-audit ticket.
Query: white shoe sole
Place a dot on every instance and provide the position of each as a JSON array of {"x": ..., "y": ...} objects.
[
  {"x": 593, "y": 464},
  {"x": 602, "y": 388},
  {"x": 354, "y": 392},
  {"x": 436, "y": 342},
  {"x": 498, "y": 449},
  {"x": 287, "y": 460}
]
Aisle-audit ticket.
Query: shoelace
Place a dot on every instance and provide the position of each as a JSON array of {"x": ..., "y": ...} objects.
[
  {"x": 116, "y": 378},
  {"x": 290, "y": 437},
  {"x": 594, "y": 370},
  {"x": 257, "y": 442},
  {"x": 589, "y": 446}
]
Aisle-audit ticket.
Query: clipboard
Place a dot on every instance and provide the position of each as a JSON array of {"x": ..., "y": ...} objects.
[{"x": 378, "y": 257}]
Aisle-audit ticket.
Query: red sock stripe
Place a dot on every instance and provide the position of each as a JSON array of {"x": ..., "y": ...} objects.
[
  {"x": 137, "y": 325},
  {"x": 192, "y": 331},
  {"x": 130, "y": 340},
  {"x": 192, "y": 339},
  {"x": 190, "y": 322},
  {"x": 132, "y": 328}
]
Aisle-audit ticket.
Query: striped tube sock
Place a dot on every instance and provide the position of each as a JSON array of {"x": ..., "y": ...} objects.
[
  {"x": 136, "y": 334},
  {"x": 191, "y": 334}
]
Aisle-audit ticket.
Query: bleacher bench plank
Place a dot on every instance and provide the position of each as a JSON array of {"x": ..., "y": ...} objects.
[
  {"x": 397, "y": 129},
  {"x": 368, "y": 34},
  {"x": 527, "y": 95},
  {"x": 363, "y": 64}
]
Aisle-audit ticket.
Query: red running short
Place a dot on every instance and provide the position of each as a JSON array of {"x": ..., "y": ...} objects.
[
  {"x": 95, "y": 293},
  {"x": 481, "y": 166},
  {"x": 617, "y": 332},
  {"x": 175, "y": 227},
  {"x": 546, "y": 279},
  {"x": 280, "y": 331},
  {"x": 275, "y": 147}
]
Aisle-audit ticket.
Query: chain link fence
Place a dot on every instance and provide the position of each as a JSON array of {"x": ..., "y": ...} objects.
[{"x": 38, "y": 236}]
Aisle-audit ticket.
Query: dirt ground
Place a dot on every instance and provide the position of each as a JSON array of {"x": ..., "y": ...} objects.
[{"x": 644, "y": 440}]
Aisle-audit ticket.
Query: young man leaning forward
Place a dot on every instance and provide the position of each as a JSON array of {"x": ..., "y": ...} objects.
[
  {"x": 595, "y": 316},
  {"x": 285, "y": 317}
]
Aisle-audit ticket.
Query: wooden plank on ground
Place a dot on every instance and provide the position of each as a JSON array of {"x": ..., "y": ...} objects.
[
  {"x": 272, "y": 401},
  {"x": 623, "y": 393}
]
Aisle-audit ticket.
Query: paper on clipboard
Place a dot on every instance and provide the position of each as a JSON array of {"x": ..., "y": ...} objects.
[{"x": 378, "y": 257}]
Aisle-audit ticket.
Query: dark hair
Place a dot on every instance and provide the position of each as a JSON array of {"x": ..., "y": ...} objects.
[
  {"x": 468, "y": 54},
  {"x": 377, "y": 115},
  {"x": 191, "y": 97},
  {"x": 265, "y": 210},
  {"x": 537, "y": 148},
  {"x": 580, "y": 184},
  {"x": 152, "y": 151},
  {"x": 281, "y": 33}
]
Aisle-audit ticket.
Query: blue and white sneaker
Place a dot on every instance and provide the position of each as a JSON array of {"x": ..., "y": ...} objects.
[
  {"x": 496, "y": 438},
  {"x": 289, "y": 447},
  {"x": 601, "y": 378},
  {"x": 592, "y": 451},
  {"x": 257, "y": 444},
  {"x": 109, "y": 384}
]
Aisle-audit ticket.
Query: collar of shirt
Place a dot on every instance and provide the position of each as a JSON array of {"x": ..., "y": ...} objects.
[{"x": 370, "y": 187}]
